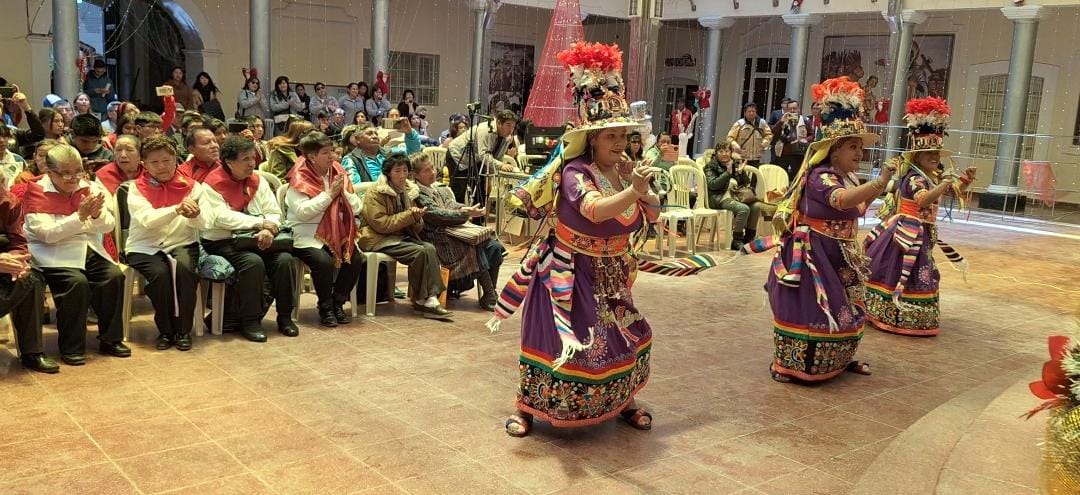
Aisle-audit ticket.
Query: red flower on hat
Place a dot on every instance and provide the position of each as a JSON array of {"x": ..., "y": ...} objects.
[
  {"x": 1054, "y": 385},
  {"x": 927, "y": 106}
]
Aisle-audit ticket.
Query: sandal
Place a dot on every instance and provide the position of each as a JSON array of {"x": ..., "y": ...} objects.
[
  {"x": 522, "y": 421},
  {"x": 859, "y": 368},
  {"x": 633, "y": 417},
  {"x": 778, "y": 377}
]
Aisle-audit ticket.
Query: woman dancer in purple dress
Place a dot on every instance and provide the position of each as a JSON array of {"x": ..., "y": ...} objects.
[
  {"x": 815, "y": 285},
  {"x": 584, "y": 345},
  {"x": 902, "y": 289}
]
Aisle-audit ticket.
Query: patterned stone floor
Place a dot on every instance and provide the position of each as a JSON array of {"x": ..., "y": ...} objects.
[{"x": 397, "y": 404}]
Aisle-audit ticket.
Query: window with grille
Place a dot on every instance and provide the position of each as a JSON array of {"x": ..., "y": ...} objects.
[
  {"x": 764, "y": 83},
  {"x": 416, "y": 71},
  {"x": 989, "y": 106}
]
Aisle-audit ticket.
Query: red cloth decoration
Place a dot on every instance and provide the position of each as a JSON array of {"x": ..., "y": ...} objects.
[
  {"x": 1039, "y": 178},
  {"x": 237, "y": 193},
  {"x": 703, "y": 96},
  {"x": 111, "y": 176},
  {"x": 197, "y": 170},
  {"x": 551, "y": 103},
  {"x": 162, "y": 194},
  {"x": 337, "y": 229},
  {"x": 882, "y": 115},
  {"x": 592, "y": 56},
  {"x": 382, "y": 81},
  {"x": 37, "y": 200}
]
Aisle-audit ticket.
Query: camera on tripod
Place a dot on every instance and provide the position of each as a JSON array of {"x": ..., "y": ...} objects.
[{"x": 473, "y": 107}]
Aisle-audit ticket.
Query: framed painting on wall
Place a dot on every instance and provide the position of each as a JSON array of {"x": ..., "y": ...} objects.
[
  {"x": 511, "y": 76},
  {"x": 865, "y": 59}
]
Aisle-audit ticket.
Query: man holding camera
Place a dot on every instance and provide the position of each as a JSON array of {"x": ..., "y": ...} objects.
[
  {"x": 478, "y": 152},
  {"x": 791, "y": 144}
]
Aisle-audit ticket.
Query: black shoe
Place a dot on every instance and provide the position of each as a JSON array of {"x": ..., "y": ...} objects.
[
  {"x": 39, "y": 363},
  {"x": 436, "y": 313},
  {"x": 183, "y": 341},
  {"x": 286, "y": 326},
  {"x": 164, "y": 341},
  {"x": 736, "y": 245},
  {"x": 326, "y": 318},
  {"x": 341, "y": 316},
  {"x": 116, "y": 349},
  {"x": 73, "y": 359},
  {"x": 253, "y": 332}
]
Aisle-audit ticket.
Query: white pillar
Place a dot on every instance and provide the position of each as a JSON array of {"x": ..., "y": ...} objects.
[
  {"x": 909, "y": 20},
  {"x": 66, "y": 78},
  {"x": 800, "y": 41},
  {"x": 380, "y": 40},
  {"x": 259, "y": 43},
  {"x": 1025, "y": 30},
  {"x": 713, "y": 46}
]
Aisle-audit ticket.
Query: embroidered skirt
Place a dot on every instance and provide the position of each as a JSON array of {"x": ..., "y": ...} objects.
[
  {"x": 917, "y": 312},
  {"x": 596, "y": 383},
  {"x": 806, "y": 347}
]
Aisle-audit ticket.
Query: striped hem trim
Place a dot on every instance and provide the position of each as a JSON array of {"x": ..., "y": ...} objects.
[
  {"x": 580, "y": 423},
  {"x": 887, "y": 328},
  {"x": 574, "y": 373},
  {"x": 908, "y": 295},
  {"x": 803, "y": 332},
  {"x": 776, "y": 368}
]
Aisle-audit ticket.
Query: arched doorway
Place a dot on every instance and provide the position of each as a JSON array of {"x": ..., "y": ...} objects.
[{"x": 142, "y": 40}]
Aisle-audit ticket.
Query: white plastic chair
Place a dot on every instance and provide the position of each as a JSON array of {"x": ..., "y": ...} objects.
[
  {"x": 5, "y": 322},
  {"x": 771, "y": 178},
  {"x": 677, "y": 209},
  {"x": 273, "y": 180},
  {"x": 690, "y": 178},
  {"x": 438, "y": 160},
  {"x": 373, "y": 260}
]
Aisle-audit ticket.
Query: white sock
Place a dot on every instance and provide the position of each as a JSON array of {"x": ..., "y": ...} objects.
[{"x": 431, "y": 302}]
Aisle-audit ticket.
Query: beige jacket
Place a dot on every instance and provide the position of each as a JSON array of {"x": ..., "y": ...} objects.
[
  {"x": 753, "y": 142},
  {"x": 386, "y": 222}
]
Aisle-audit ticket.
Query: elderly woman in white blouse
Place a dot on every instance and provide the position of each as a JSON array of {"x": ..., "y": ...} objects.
[
  {"x": 162, "y": 242},
  {"x": 246, "y": 221},
  {"x": 321, "y": 208}
]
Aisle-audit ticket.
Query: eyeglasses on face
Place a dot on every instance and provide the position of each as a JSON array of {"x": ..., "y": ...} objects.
[{"x": 69, "y": 177}]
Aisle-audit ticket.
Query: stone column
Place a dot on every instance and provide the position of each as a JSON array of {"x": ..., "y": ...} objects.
[
  {"x": 380, "y": 41},
  {"x": 800, "y": 41},
  {"x": 66, "y": 79},
  {"x": 476, "y": 76},
  {"x": 713, "y": 44},
  {"x": 1002, "y": 191},
  {"x": 259, "y": 43},
  {"x": 909, "y": 20}
]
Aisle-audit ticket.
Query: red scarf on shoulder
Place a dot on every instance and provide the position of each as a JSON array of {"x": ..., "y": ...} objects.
[
  {"x": 237, "y": 193},
  {"x": 162, "y": 194},
  {"x": 111, "y": 176},
  {"x": 198, "y": 170},
  {"x": 37, "y": 200},
  {"x": 337, "y": 229}
]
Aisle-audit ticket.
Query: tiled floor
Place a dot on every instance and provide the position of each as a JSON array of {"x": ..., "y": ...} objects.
[{"x": 397, "y": 404}]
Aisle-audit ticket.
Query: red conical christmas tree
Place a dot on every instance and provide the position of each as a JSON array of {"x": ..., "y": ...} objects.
[{"x": 551, "y": 102}]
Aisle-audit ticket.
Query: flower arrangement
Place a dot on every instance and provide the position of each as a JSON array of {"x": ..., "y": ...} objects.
[
  {"x": 927, "y": 115},
  {"x": 839, "y": 97}
]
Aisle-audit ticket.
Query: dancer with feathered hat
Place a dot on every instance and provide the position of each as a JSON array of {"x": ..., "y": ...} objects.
[
  {"x": 902, "y": 289},
  {"x": 815, "y": 285}
]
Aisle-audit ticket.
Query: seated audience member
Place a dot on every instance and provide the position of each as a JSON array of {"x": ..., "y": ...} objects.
[
  {"x": 23, "y": 140},
  {"x": 283, "y": 150},
  {"x": 53, "y": 124},
  {"x": 165, "y": 221},
  {"x": 321, "y": 210},
  {"x": 205, "y": 154},
  {"x": 22, "y": 291},
  {"x": 726, "y": 166},
  {"x": 86, "y": 137},
  {"x": 455, "y": 120},
  {"x": 125, "y": 124},
  {"x": 663, "y": 155},
  {"x": 364, "y": 162},
  {"x": 126, "y": 164},
  {"x": 188, "y": 122},
  {"x": 148, "y": 124},
  {"x": 465, "y": 261},
  {"x": 109, "y": 124},
  {"x": 220, "y": 130},
  {"x": 392, "y": 225},
  {"x": 37, "y": 166},
  {"x": 11, "y": 164},
  {"x": 66, "y": 218},
  {"x": 243, "y": 202}
]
